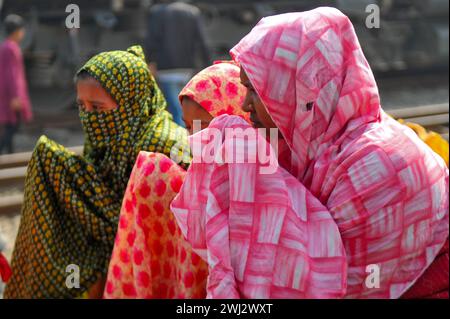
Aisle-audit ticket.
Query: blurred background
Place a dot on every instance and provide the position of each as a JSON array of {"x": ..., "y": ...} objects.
[{"x": 409, "y": 55}]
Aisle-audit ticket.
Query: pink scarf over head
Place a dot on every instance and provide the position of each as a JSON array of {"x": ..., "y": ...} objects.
[
  {"x": 314, "y": 56},
  {"x": 386, "y": 190},
  {"x": 380, "y": 185}
]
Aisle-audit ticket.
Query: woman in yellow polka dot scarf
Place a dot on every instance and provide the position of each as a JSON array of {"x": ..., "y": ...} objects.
[{"x": 72, "y": 203}]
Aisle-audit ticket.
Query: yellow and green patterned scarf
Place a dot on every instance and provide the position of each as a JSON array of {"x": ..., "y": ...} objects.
[{"x": 71, "y": 205}]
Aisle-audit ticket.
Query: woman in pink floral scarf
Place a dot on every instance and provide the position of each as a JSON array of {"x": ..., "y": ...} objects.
[{"x": 151, "y": 258}]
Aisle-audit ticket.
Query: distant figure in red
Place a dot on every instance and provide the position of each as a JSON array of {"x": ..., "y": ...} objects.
[{"x": 15, "y": 106}]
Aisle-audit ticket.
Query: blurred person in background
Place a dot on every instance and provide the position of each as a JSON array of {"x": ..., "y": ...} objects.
[
  {"x": 15, "y": 106},
  {"x": 176, "y": 47}
]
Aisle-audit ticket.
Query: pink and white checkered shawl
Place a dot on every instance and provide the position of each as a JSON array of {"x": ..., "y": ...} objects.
[
  {"x": 262, "y": 234},
  {"x": 386, "y": 191}
]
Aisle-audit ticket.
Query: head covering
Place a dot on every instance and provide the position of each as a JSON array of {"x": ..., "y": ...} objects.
[
  {"x": 293, "y": 59},
  {"x": 168, "y": 267},
  {"x": 217, "y": 89},
  {"x": 118, "y": 135},
  {"x": 72, "y": 203},
  {"x": 383, "y": 189},
  {"x": 125, "y": 76}
]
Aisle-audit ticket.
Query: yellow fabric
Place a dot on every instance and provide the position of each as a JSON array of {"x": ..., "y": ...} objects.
[{"x": 434, "y": 140}]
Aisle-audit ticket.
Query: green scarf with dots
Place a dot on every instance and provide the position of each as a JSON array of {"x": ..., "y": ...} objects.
[{"x": 71, "y": 202}]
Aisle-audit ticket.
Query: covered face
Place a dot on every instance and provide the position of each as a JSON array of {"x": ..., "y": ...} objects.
[
  {"x": 212, "y": 92},
  {"x": 117, "y": 98},
  {"x": 91, "y": 96},
  {"x": 309, "y": 71}
]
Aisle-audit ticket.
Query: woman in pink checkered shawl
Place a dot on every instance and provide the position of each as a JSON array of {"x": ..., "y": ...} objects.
[{"x": 357, "y": 208}]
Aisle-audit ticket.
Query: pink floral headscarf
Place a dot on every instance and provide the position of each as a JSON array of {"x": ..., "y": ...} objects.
[{"x": 217, "y": 89}]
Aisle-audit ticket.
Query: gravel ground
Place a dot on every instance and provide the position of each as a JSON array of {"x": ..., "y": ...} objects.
[{"x": 395, "y": 93}]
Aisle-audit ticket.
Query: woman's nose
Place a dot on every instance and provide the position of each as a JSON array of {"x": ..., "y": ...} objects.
[
  {"x": 88, "y": 108},
  {"x": 247, "y": 105}
]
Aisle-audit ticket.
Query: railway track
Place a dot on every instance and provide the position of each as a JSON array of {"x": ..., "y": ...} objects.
[{"x": 13, "y": 167}]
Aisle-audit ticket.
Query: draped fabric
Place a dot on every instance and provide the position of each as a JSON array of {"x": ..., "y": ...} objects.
[
  {"x": 434, "y": 283},
  {"x": 151, "y": 258},
  {"x": 385, "y": 190},
  {"x": 72, "y": 203},
  {"x": 259, "y": 229},
  {"x": 217, "y": 89}
]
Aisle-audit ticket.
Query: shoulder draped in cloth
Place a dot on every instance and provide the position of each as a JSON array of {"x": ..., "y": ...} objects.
[
  {"x": 151, "y": 258},
  {"x": 72, "y": 203},
  {"x": 385, "y": 190}
]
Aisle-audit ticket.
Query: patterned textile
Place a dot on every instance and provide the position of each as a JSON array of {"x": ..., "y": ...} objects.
[
  {"x": 262, "y": 235},
  {"x": 72, "y": 203},
  {"x": 151, "y": 258},
  {"x": 218, "y": 89},
  {"x": 434, "y": 283},
  {"x": 432, "y": 139},
  {"x": 385, "y": 189}
]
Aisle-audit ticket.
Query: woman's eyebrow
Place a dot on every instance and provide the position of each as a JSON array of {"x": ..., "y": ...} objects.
[
  {"x": 90, "y": 101},
  {"x": 96, "y": 102}
]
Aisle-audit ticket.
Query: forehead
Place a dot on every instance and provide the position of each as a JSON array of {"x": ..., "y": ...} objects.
[
  {"x": 193, "y": 109},
  {"x": 89, "y": 82},
  {"x": 90, "y": 86},
  {"x": 190, "y": 106}
]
